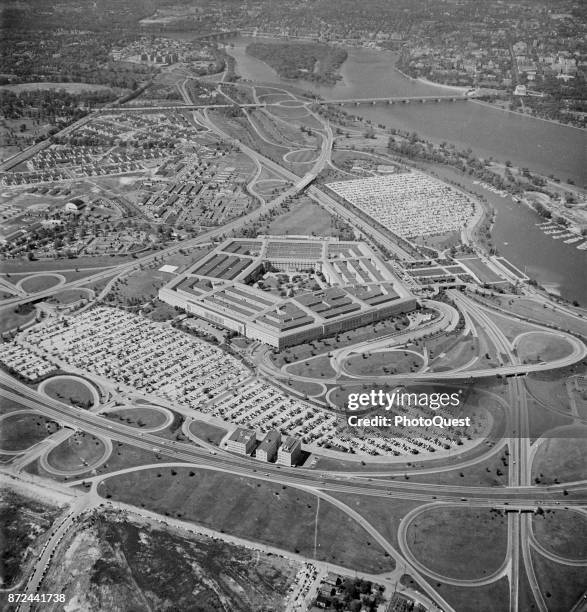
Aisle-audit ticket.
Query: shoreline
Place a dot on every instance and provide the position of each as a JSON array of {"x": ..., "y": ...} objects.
[
  {"x": 507, "y": 110},
  {"x": 423, "y": 81}
]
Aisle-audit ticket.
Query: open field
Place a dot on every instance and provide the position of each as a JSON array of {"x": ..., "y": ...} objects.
[
  {"x": 24, "y": 523},
  {"x": 489, "y": 598},
  {"x": 304, "y": 218},
  {"x": 207, "y": 432},
  {"x": 303, "y": 156},
  {"x": 70, "y": 296},
  {"x": 21, "y": 430},
  {"x": 542, "y": 419},
  {"x": 269, "y": 187},
  {"x": 492, "y": 472},
  {"x": 257, "y": 510},
  {"x": 561, "y": 459},
  {"x": 536, "y": 311},
  {"x": 458, "y": 355},
  {"x": 74, "y": 391},
  {"x": 561, "y": 585},
  {"x": 7, "y": 406},
  {"x": 307, "y": 388},
  {"x": 142, "y": 286},
  {"x": 34, "y": 284},
  {"x": 11, "y": 317},
  {"x": 80, "y": 450},
  {"x": 447, "y": 541},
  {"x": 123, "y": 456},
  {"x": 510, "y": 327},
  {"x": 384, "y": 362},
  {"x": 138, "y": 417},
  {"x": 539, "y": 346},
  {"x": 562, "y": 532},
  {"x": 551, "y": 392},
  {"x": 139, "y": 566},
  {"x": 384, "y": 514},
  {"x": 317, "y": 367}
]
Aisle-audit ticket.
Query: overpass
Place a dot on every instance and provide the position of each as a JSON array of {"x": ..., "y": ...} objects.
[{"x": 397, "y": 100}]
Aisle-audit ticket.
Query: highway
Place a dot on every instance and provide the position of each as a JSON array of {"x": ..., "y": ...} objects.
[
  {"x": 519, "y": 494},
  {"x": 69, "y": 416}
]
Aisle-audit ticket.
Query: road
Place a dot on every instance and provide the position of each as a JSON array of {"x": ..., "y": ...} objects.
[
  {"x": 349, "y": 483},
  {"x": 518, "y": 494}
]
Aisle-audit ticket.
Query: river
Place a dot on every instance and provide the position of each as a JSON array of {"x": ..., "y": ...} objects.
[{"x": 542, "y": 146}]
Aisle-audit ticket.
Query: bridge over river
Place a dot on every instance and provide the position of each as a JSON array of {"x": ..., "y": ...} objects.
[{"x": 398, "y": 100}]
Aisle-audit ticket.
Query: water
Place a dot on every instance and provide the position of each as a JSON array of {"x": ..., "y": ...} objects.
[
  {"x": 545, "y": 147},
  {"x": 542, "y": 146},
  {"x": 557, "y": 266}
]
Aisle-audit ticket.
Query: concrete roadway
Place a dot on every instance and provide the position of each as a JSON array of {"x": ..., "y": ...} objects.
[
  {"x": 474, "y": 311},
  {"x": 519, "y": 525},
  {"x": 484, "y": 496}
]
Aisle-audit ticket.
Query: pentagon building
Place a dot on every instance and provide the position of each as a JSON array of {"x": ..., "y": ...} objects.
[{"x": 356, "y": 288}]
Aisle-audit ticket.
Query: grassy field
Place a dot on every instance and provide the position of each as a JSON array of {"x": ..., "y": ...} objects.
[
  {"x": 510, "y": 327},
  {"x": 561, "y": 585},
  {"x": 457, "y": 356},
  {"x": 385, "y": 362},
  {"x": 252, "y": 509},
  {"x": 561, "y": 458},
  {"x": 80, "y": 450},
  {"x": 541, "y": 419},
  {"x": 307, "y": 388},
  {"x": 70, "y": 296},
  {"x": 304, "y": 218},
  {"x": 563, "y": 532},
  {"x": 551, "y": 392},
  {"x": 448, "y": 541},
  {"x": 207, "y": 432},
  {"x": 20, "y": 431},
  {"x": 384, "y": 514},
  {"x": 493, "y": 597},
  {"x": 528, "y": 308},
  {"x": 317, "y": 367},
  {"x": 123, "y": 456},
  {"x": 269, "y": 187},
  {"x": 74, "y": 391},
  {"x": 492, "y": 472},
  {"x": 39, "y": 283},
  {"x": 538, "y": 346},
  {"x": 7, "y": 406},
  {"x": 303, "y": 156},
  {"x": 10, "y": 319},
  {"x": 138, "y": 417}
]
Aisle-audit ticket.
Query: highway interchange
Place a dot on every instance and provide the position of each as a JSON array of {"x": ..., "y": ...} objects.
[{"x": 519, "y": 496}]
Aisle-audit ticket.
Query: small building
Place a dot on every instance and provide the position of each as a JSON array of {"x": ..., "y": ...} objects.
[
  {"x": 242, "y": 441},
  {"x": 267, "y": 450},
  {"x": 290, "y": 451},
  {"x": 75, "y": 205}
]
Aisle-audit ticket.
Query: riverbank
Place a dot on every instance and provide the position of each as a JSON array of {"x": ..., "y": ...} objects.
[
  {"x": 423, "y": 81},
  {"x": 507, "y": 110}
]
